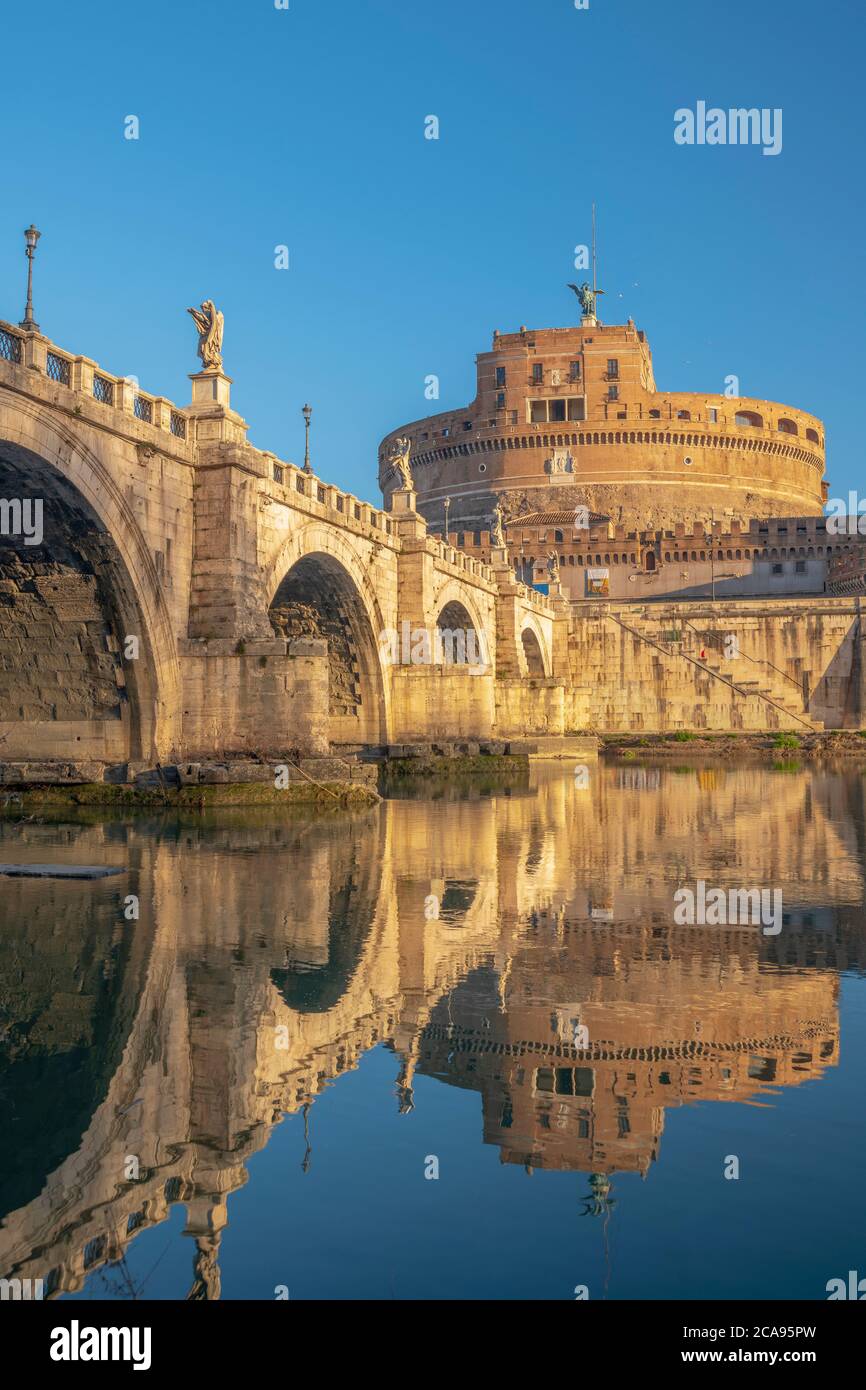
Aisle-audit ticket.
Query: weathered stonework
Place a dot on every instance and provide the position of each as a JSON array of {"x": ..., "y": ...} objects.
[{"x": 193, "y": 595}]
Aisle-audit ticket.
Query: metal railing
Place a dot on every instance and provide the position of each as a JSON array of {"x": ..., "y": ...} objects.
[
  {"x": 103, "y": 390},
  {"x": 143, "y": 409},
  {"x": 177, "y": 424},
  {"x": 58, "y": 368},
  {"x": 10, "y": 346}
]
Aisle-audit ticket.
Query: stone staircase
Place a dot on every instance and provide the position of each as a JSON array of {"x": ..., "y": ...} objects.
[{"x": 746, "y": 677}]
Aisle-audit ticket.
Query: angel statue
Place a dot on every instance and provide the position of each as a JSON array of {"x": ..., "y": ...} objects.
[
  {"x": 586, "y": 294},
  {"x": 209, "y": 322},
  {"x": 497, "y": 535},
  {"x": 398, "y": 458},
  {"x": 553, "y": 566}
]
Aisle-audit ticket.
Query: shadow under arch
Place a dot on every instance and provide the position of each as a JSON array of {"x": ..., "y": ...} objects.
[
  {"x": 74, "y": 594},
  {"x": 459, "y": 632},
  {"x": 318, "y": 597}
]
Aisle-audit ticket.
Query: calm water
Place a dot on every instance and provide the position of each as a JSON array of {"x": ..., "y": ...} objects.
[{"x": 244, "y": 1088}]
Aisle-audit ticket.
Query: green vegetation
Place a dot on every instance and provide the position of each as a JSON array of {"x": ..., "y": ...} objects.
[{"x": 786, "y": 741}]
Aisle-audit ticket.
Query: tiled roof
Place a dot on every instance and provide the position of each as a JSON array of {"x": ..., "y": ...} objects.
[{"x": 565, "y": 518}]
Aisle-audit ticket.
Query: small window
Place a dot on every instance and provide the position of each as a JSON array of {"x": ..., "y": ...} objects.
[
  {"x": 537, "y": 373},
  {"x": 500, "y": 401},
  {"x": 777, "y": 569},
  {"x": 613, "y": 367},
  {"x": 574, "y": 371},
  {"x": 467, "y": 424},
  {"x": 800, "y": 567},
  {"x": 557, "y": 536},
  {"x": 538, "y": 412},
  {"x": 613, "y": 393},
  {"x": 655, "y": 415},
  {"x": 575, "y": 408},
  {"x": 557, "y": 410},
  {"x": 714, "y": 415},
  {"x": 500, "y": 376}
]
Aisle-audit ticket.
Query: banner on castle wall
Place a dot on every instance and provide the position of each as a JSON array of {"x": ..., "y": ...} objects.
[{"x": 597, "y": 583}]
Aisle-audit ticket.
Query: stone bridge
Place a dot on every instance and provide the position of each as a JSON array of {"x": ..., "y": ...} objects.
[{"x": 168, "y": 590}]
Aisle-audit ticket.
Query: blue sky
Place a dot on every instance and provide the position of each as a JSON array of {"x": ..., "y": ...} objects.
[{"x": 262, "y": 127}]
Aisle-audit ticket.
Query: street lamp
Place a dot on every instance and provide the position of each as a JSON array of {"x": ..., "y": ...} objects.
[
  {"x": 447, "y": 509},
  {"x": 31, "y": 236},
  {"x": 307, "y": 412}
]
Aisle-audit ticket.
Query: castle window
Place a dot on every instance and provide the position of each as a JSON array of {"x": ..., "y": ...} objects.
[
  {"x": 537, "y": 373},
  {"x": 749, "y": 419},
  {"x": 777, "y": 569},
  {"x": 655, "y": 415},
  {"x": 800, "y": 567},
  {"x": 787, "y": 427},
  {"x": 612, "y": 367},
  {"x": 557, "y": 536},
  {"x": 500, "y": 376},
  {"x": 613, "y": 393},
  {"x": 574, "y": 371},
  {"x": 467, "y": 424},
  {"x": 500, "y": 401},
  {"x": 813, "y": 435},
  {"x": 714, "y": 415},
  {"x": 538, "y": 412},
  {"x": 557, "y": 410},
  {"x": 684, "y": 415}
]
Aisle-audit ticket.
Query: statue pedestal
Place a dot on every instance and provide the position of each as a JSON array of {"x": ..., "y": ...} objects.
[
  {"x": 402, "y": 503},
  {"x": 211, "y": 387},
  {"x": 216, "y": 422}
]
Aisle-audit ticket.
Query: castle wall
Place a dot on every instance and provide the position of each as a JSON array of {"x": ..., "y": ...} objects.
[{"x": 634, "y": 669}]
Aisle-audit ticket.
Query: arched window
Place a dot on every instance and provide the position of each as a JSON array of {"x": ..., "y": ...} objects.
[
  {"x": 557, "y": 536},
  {"x": 813, "y": 435},
  {"x": 749, "y": 419},
  {"x": 787, "y": 426}
]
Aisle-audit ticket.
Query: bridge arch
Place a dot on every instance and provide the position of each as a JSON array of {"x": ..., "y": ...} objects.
[
  {"x": 534, "y": 654},
  {"x": 319, "y": 586},
  {"x": 89, "y": 583}
]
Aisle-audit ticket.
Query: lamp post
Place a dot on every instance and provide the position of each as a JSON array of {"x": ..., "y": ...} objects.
[
  {"x": 28, "y": 323},
  {"x": 307, "y": 412},
  {"x": 447, "y": 508}
]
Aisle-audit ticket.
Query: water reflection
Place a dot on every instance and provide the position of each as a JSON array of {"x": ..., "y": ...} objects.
[{"x": 144, "y": 1062}]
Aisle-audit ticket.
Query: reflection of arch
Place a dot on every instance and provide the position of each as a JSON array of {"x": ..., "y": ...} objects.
[
  {"x": 533, "y": 646},
  {"x": 92, "y": 537},
  {"x": 318, "y": 596}
]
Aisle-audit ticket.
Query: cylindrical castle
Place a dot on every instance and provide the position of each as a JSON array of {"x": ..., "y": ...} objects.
[{"x": 568, "y": 417}]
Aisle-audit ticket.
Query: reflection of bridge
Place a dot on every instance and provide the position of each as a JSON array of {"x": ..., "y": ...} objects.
[
  {"x": 258, "y": 593},
  {"x": 247, "y": 987}
]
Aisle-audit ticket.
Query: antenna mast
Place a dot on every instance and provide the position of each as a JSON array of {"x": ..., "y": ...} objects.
[{"x": 594, "y": 259}]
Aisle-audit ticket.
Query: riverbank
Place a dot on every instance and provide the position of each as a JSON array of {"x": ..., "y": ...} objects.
[{"x": 764, "y": 748}]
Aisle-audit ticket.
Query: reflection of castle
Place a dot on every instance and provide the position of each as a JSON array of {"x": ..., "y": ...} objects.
[{"x": 268, "y": 961}]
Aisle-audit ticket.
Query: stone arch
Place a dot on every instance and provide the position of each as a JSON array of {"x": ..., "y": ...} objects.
[
  {"x": 91, "y": 583},
  {"x": 464, "y": 639},
  {"x": 318, "y": 587},
  {"x": 535, "y": 657}
]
